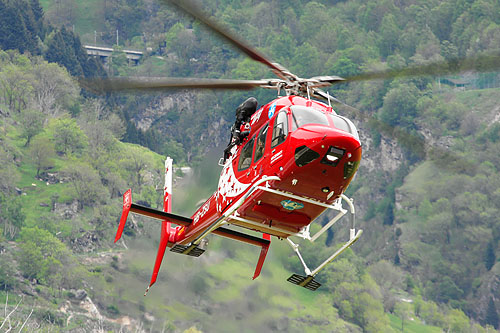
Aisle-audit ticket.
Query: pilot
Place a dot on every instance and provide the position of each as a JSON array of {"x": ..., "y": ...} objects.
[{"x": 243, "y": 114}]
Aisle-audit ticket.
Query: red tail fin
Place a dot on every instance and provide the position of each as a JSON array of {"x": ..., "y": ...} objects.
[
  {"x": 165, "y": 233},
  {"x": 165, "y": 225},
  {"x": 127, "y": 202},
  {"x": 262, "y": 257}
]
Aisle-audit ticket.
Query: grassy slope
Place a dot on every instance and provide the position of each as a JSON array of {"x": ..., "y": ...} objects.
[
  {"x": 218, "y": 293},
  {"x": 412, "y": 326}
]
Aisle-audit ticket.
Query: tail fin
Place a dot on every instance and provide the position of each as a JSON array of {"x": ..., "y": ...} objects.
[
  {"x": 127, "y": 203},
  {"x": 262, "y": 257},
  {"x": 166, "y": 228}
]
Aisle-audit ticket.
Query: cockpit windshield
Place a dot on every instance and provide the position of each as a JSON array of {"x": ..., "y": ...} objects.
[
  {"x": 302, "y": 115},
  {"x": 344, "y": 124}
]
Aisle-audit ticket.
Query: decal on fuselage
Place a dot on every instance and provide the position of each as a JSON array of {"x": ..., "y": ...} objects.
[
  {"x": 276, "y": 156},
  {"x": 199, "y": 214},
  {"x": 255, "y": 118},
  {"x": 291, "y": 205},
  {"x": 229, "y": 185},
  {"x": 271, "y": 111}
]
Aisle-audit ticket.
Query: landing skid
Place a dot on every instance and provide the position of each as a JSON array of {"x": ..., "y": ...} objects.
[
  {"x": 190, "y": 250},
  {"x": 308, "y": 281}
]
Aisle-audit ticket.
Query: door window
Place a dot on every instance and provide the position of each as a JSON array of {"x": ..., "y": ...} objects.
[
  {"x": 261, "y": 144},
  {"x": 280, "y": 129},
  {"x": 246, "y": 155}
]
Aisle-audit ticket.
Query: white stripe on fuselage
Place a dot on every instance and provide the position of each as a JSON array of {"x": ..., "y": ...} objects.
[{"x": 229, "y": 186}]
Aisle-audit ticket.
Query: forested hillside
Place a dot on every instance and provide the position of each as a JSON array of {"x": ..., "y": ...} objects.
[{"x": 429, "y": 256}]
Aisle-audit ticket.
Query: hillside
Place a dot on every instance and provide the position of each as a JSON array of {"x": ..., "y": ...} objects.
[{"x": 429, "y": 256}]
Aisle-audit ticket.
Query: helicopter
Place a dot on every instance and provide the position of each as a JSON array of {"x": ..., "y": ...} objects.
[{"x": 287, "y": 162}]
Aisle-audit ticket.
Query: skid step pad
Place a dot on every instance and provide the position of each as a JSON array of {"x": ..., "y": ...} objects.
[
  {"x": 190, "y": 250},
  {"x": 307, "y": 282}
]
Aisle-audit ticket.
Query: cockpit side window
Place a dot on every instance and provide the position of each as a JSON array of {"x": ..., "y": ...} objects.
[
  {"x": 302, "y": 115},
  {"x": 261, "y": 143},
  {"x": 280, "y": 129},
  {"x": 246, "y": 155}
]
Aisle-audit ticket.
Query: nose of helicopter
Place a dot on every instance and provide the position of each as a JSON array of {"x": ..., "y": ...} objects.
[
  {"x": 333, "y": 145},
  {"x": 325, "y": 159}
]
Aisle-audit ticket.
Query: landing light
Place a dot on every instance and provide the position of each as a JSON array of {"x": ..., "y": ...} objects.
[{"x": 333, "y": 156}]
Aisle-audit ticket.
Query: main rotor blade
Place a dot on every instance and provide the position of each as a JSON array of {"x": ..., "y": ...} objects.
[
  {"x": 485, "y": 62},
  {"x": 157, "y": 83},
  {"x": 192, "y": 9}
]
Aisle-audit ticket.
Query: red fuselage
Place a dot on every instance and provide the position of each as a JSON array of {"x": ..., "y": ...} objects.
[{"x": 314, "y": 152}]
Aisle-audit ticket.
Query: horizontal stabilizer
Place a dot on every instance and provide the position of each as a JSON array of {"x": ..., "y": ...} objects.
[
  {"x": 158, "y": 214},
  {"x": 128, "y": 206}
]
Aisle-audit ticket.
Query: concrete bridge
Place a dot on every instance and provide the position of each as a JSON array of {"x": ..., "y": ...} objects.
[{"x": 105, "y": 52}]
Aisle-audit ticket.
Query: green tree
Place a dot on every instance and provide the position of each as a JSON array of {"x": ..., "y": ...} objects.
[
  {"x": 61, "y": 50},
  {"x": 343, "y": 67},
  {"x": 87, "y": 184},
  {"x": 399, "y": 107},
  {"x": 17, "y": 27},
  {"x": 41, "y": 254},
  {"x": 119, "y": 62},
  {"x": 68, "y": 137},
  {"x": 15, "y": 85},
  {"x": 31, "y": 124},
  {"x": 126, "y": 17},
  {"x": 307, "y": 60},
  {"x": 312, "y": 19},
  {"x": 38, "y": 15},
  {"x": 136, "y": 161},
  {"x": 42, "y": 153},
  {"x": 457, "y": 321},
  {"x": 389, "y": 35}
]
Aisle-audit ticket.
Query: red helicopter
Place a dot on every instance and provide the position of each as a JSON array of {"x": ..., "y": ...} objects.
[
  {"x": 294, "y": 162},
  {"x": 287, "y": 162}
]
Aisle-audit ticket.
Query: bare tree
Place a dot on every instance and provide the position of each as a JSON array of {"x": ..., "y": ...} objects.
[
  {"x": 53, "y": 88},
  {"x": 10, "y": 320}
]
